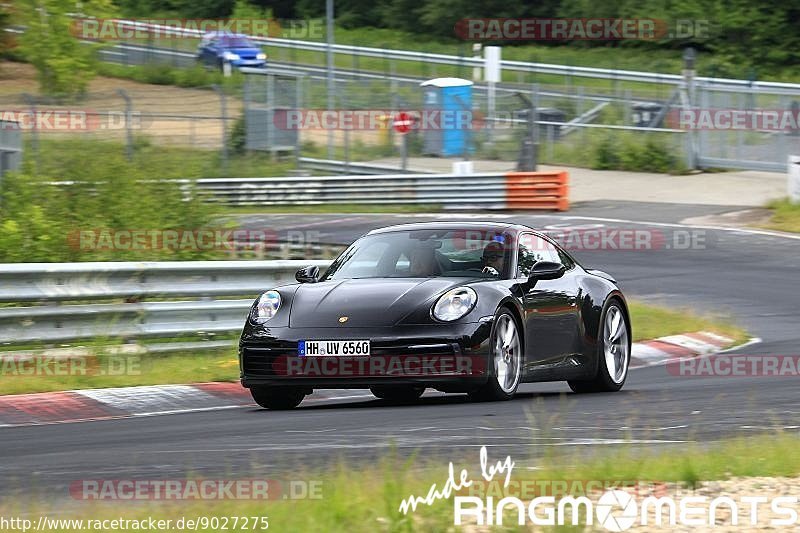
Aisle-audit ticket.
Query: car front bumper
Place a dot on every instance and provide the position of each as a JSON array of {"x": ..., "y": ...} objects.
[
  {"x": 452, "y": 356},
  {"x": 253, "y": 63}
]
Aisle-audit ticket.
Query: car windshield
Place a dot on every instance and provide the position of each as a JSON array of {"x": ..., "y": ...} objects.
[
  {"x": 236, "y": 42},
  {"x": 480, "y": 253}
]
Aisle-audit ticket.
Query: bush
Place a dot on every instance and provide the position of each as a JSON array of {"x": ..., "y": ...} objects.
[
  {"x": 43, "y": 221},
  {"x": 606, "y": 155},
  {"x": 636, "y": 153},
  {"x": 237, "y": 139},
  {"x": 157, "y": 74}
]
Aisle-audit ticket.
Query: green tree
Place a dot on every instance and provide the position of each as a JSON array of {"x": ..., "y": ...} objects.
[
  {"x": 5, "y": 21},
  {"x": 51, "y": 45}
]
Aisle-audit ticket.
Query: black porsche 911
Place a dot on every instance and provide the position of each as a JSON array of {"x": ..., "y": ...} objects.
[{"x": 462, "y": 307}]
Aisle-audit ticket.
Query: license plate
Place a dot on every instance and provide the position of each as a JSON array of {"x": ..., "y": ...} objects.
[{"x": 332, "y": 348}]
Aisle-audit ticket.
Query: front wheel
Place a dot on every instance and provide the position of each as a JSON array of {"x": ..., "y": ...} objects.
[
  {"x": 397, "y": 393},
  {"x": 505, "y": 361},
  {"x": 614, "y": 353},
  {"x": 277, "y": 398}
]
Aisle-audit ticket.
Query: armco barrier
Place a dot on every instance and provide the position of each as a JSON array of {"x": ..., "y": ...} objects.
[
  {"x": 537, "y": 190},
  {"x": 130, "y": 300},
  {"x": 506, "y": 190}
]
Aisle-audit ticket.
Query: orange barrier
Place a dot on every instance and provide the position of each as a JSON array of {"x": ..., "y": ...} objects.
[{"x": 537, "y": 190}]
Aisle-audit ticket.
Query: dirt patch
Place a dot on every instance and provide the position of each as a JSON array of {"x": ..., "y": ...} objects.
[{"x": 174, "y": 115}]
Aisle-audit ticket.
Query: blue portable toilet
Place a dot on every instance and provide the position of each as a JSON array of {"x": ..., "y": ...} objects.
[{"x": 449, "y": 133}]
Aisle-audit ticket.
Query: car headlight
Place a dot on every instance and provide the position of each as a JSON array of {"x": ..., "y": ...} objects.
[
  {"x": 261, "y": 56},
  {"x": 454, "y": 304},
  {"x": 266, "y": 306},
  {"x": 231, "y": 57}
]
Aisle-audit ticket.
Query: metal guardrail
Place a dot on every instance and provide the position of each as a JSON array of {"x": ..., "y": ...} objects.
[
  {"x": 503, "y": 190},
  {"x": 331, "y": 165},
  {"x": 509, "y": 65},
  {"x": 60, "y": 302}
]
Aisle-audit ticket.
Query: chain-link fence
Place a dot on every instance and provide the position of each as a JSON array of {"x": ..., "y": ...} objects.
[
  {"x": 769, "y": 136},
  {"x": 199, "y": 118},
  {"x": 582, "y": 126},
  {"x": 601, "y": 123}
]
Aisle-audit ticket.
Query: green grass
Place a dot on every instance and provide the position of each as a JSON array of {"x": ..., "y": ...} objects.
[
  {"x": 366, "y": 498},
  {"x": 125, "y": 371},
  {"x": 67, "y": 159},
  {"x": 668, "y": 61},
  {"x": 651, "y": 321},
  {"x": 222, "y": 365},
  {"x": 785, "y": 216}
]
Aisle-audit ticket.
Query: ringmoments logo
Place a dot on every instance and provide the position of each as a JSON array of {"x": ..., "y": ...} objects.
[{"x": 615, "y": 509}]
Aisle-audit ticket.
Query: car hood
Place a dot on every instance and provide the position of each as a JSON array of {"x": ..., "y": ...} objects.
[
  {"x": 243, "y": 51},
  {"x": 367, "y": 302}
]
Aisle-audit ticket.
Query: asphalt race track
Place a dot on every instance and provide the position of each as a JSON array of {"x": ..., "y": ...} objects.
[{"x": 751, "y": 276}]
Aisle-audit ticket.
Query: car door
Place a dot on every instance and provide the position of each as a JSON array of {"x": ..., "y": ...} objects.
[{"x": 550, "y": 306}]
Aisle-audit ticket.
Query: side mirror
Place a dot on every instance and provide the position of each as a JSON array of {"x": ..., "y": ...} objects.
[
  {"x": 309, "y": 274},
  {"x": 547, "y": 270}
]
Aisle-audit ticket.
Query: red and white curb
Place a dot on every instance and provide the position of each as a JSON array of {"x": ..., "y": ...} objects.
[
  {"x": 126, "y": 402},
  {"x": 660, "y": 351}
]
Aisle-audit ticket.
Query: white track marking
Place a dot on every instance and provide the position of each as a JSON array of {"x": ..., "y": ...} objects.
[
  {"x": 759, "y": 232},
  {"x": 145, "y": 400},
  {"x": 697, "y": 346}
]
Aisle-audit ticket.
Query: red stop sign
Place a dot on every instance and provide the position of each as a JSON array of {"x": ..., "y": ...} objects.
[{"x": 403, "y": 122}]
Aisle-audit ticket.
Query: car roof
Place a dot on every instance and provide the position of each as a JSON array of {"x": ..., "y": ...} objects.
[
  {"x": 455, "y": 224},
  {"x": 226, "y": 34}
]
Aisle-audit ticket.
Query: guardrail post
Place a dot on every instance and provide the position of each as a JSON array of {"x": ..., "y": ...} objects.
[
  {"x": 224, "y": 111},
  {"x": 331, "y": 78},
  {"x": 298, "y": 105},
  {"x": 535, "y": 124},
  {"x": 579, "y": 113},
  {"x": 128, "y": 123},
  {"x": 270, "y": 113},
  {"x": 31, "y": 101}
]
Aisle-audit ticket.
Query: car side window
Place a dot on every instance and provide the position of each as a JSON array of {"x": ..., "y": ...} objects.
[{"x": 533, "y": 249}]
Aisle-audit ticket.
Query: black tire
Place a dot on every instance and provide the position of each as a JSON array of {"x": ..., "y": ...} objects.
[
  {"x": 602, "y": 381},
  {"x": 395, "y": 393},
  {"x": 492, "y": 390},
  {"x": 277, "y": 398}
]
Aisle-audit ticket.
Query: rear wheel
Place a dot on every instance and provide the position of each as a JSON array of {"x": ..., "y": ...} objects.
[
  {"x": 394, "y": 393},
  {"x": 277, "y": 397},
  {"x": 613, "y": 352},
  {"x": 505, "y": 360}
]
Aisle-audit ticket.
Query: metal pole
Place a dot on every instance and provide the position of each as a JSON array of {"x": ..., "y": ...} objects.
[
  {"x": 34, "y": 132},
  {"x": 491, "y": 112},
  {"x": 689, "y": 56},
  {"x": 128, "y": 123},
  {"x": 298, "y": 105},
  {"x": 404, "y": 151},
  {"x": 270, "y": 114},
  {"x": 331, "y": 87},
  {"x": 535, "y": 124},
  {"x": 224, "y": 110}
]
